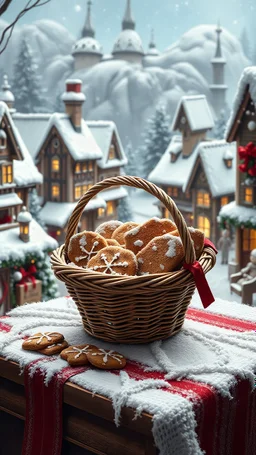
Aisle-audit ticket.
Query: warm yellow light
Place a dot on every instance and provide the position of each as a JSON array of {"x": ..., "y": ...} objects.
[
  {"x": 110, "y": 208},
  {"x": 248, "y": 195},
  {"x": 55, "y": 164},
  {"x": 58, "y": 232}
]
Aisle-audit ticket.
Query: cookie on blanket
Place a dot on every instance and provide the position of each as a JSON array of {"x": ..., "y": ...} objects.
[
  {"x": 120, "y": 232},
  {"x": 198, "y": 239},
  {"x": 42, "y": 340},
  {"x": 138, "y": 237},
  {"x": 77, "y": 355},
  {"x": 112, "y": 242},
  {"x": 54, "y": 349},
  {"x": 162, "y": 254},
  {"x": 114, "y": 260},
  {"x": 106, "y": 359},
  {"x": 83, "y": 246},
  {"x": 106, "y": 229}
]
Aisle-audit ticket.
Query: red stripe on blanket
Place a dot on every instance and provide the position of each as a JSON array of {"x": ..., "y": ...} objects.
[
  {"x": 4, "y": 327},
  {"x": 218, "y": 320}
]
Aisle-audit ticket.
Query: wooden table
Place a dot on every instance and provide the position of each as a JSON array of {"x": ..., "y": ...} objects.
[{"x": 88, "y": 425}]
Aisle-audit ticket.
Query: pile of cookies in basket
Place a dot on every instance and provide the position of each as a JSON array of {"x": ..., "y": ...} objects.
[
  {"x": 132, "y": 249},
  {"x": 53, "y": 343}
]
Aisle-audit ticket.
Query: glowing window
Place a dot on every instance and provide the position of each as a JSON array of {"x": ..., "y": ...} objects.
[
  {"x": 112, "y": 153},
  {"x": 55, "y": 191},
  {"x": 25, "y": 230},
  {"x": 84, "y": 167},
  {"x": 90, "y": 165},
  {"x": 203, "y": 199},
  {"x": 101, "y": 212},
  {"x": 55, "y": 164},
  {"x": 172, "y": 191},
  {"x": 7, "y": 174},
  {"x": 249, "y": 239},
  {"x": 84, "y": 188},
  {"x": 203, "y": 223},
  {"x": 248, "y": 195},
  {"x": 77, "y": 168},
  {"x": 110, "y": 208},
  {"x": 78, "y": 192},
  {"x": 224, "y": 201}
]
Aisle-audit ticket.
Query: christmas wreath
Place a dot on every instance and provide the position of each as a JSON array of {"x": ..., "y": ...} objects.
[{"x": 248, "y": 155}]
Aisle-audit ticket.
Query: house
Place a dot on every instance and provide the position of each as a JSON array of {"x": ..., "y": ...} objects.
[
  {"x": 73, "y": 155},
  {"x": 241, "y": 213},
  {"x": 199, "y": 174},
  {"x": 22, "y": 241}
]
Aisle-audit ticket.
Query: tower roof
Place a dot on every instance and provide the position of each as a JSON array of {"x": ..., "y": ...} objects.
[
  {"x": 5, "y": 94},
  {"x": 128, "y": 21},
  {"x": 152, "y": 50},
  {"x": 88, "y": 30},
  {"x": 218, "y": 57}
]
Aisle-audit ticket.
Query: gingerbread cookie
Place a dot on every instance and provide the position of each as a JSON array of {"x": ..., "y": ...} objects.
[
  {"x": 114, "y": 260},
  {"x": 112, "y": 242},
  {"x": 138, "y": 237},
  {"x": 106, "y": 229},
  {"x": 42, "y": 340},
  {"x": 54, "y": 349},
  {"x": 162, "y": 254},
  {"x": 106, "y": 360},
  {"x": 83, "y": 246},
  {"x": 198, "y": 239},
  {"x": 120, "y": 232},
  {"x": 77, "y": 355}
]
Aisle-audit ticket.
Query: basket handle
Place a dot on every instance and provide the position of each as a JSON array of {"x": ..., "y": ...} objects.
[{"x": 136, "y": 182}]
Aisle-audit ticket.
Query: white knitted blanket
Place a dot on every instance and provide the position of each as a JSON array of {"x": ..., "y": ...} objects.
[{"x": 201, "y": 352}]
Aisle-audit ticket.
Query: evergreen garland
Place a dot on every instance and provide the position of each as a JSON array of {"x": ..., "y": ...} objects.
[{"x": 235, "y": 222}]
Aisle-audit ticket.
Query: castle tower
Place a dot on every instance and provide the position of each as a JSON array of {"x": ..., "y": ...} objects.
[
  {"x": 218, "y": 87},
  {"x": 152, "y": 49},
  {"x": 5, "y": 94},
  {"x": 87, "y": 51},
  {"x": 128, "y": 45}
]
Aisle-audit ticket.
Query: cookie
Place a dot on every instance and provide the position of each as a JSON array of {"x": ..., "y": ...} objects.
[
  {"x": 42, "y": 340},
  {"x": 112, "y": 242},
  {"x": 198, "y": 239},
  {"x": 114, "y": 260},
  {"x": 83, "y": 246},
  {"x": 106, "y": 229},
  {"x": 119, "y": 233},
  {"x": 106, "y": 360},
  {"x": 138, "y": 237},
  {"x": 77, "y": 355},
  {"x": 54, "y": 349},
  {"x": 162, "y": 254}
]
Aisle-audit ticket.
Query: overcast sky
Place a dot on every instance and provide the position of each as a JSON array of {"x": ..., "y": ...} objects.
[{"x": 169, "y": 18}]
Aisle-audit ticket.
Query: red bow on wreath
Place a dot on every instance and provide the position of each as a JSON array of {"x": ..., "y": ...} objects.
[
  {"x": 248, "y": 155},
  {"x": 28, "y": 275}
]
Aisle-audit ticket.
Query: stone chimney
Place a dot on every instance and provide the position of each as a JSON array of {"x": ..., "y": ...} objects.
[{"x": 73, "y": 99}]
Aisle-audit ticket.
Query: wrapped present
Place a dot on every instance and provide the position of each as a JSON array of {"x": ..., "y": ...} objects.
[{"x": 29, "y": 292}]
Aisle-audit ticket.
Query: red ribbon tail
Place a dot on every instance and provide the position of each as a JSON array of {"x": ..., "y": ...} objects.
[
  {"x": 202, "y": 285},
  {"x": 208, "y": 243}
]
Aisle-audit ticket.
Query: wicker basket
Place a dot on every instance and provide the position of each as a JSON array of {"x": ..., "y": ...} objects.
[{"x": 124, "y": 309}]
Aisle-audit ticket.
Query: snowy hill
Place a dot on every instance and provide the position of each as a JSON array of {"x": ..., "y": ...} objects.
[{"x": 127, "y": 94}]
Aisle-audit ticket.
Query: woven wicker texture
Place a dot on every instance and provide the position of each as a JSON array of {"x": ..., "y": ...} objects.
[{"x": 124, "y": 309}]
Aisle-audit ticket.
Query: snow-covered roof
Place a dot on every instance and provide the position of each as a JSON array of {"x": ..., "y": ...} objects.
[
  {"x": 87, "y": 45},
  {"x": 58, "y": 213},
  {"x": 24, "y": 171},
  {"x": 248, "y": 78},
  {"x": 32, "y": 128},
  {"x": 9, "y": 200},
  {"x": 177, "y": 173},
  {"x": 81, "y": 145},
  {"x": 114, "y": 193},
  {"x": 5, "y": 94},
  {"x": 221, "y": 179},
  {"x": 197, "y": 111},
  {"x": 103, "y": 132},
  {"x": 239, "y": 214},
  {"x": 13, "y": 248},
  {"x": 128, "y": 41}
]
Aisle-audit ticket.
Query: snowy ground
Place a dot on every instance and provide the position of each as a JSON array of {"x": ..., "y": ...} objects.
[{"x": 144, "y": 208}]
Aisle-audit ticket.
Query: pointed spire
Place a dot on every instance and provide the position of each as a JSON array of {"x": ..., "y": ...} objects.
[
  {"x": 218, "y": 52},
  {"x": 6, "y": 85},
  {"x": 88, "y": 29},
  {"x": 5, "y": 94},
  {"x": 152, "y": 43},
  {"x": 128, "y": 22}
]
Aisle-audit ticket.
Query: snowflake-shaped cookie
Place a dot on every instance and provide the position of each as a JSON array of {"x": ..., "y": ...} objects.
[
  {"x": 83, "y": 246},
  {"x": 114, "y": 260}
]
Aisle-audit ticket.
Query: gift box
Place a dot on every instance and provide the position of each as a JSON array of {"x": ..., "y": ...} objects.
[{"x": 29, "y": 292}]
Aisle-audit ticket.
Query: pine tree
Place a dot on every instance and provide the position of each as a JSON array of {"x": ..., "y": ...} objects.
[
  {"x": 59, "y": 105},
  {"x": 45, "y": 274},
  {"x": 124, "y": 210},
  {"x": 132, "y": 167},
  {"x": 157, "y": 137},
  {"x": 26, "y": 83},
  {"x": 34, "y": 207},
  {"x": 246, "y": 44},
  {"x": 219, "y": 129}
]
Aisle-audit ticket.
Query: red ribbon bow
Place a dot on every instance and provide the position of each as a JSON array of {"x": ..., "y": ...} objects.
[
  {"x": 28, "y": 275},
  {"x": 201, "y": 283}
]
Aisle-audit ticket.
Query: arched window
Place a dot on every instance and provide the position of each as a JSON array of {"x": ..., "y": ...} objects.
[
  {"x": 203, "y": 223},
  {"x": 55, "y": 164}
]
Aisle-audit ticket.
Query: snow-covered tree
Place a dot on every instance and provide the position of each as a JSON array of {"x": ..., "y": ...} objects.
[
  {"x": 132, "y": 166},
  {"x": 45, "y": 274},
  {"x": 219, "y": 129},
  {"x": 157, "y": 136},
  {"x": 124, "y": 210},
  {"x": 246, "y": 44},
  {"x": 34, "y": 207},
  {"x": 26, "y": 83}
]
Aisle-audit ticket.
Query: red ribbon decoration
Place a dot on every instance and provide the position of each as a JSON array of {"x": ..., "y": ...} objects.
[
  {"x": 248, "y": 155},
  {"x": 28, "y": 275},
  {"x": 202, "y": 285}
]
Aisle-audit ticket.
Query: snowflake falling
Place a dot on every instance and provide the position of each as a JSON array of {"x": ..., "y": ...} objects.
[
  {"x": 108, "y": 265},
  {"x": 88, "y": 254},
  {"x": 109, "y": 354}
]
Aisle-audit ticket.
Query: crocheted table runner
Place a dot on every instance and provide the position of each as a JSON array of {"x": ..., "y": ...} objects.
[{"x": 191, "y": 404}]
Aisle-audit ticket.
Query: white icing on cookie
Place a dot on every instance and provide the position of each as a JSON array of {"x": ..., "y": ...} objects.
[{"x": 138, "y": 243}]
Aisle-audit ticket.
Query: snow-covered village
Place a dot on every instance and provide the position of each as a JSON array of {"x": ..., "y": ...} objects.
[{"x": 127, "y": 227}]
